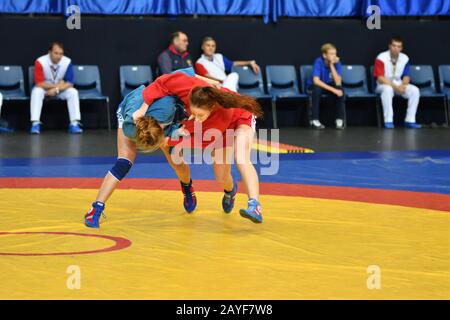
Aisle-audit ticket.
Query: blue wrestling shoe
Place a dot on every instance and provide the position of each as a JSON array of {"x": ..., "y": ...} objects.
[
  {"x": 91, "y": 219},
  {"x": 75, "y": 128},
  {"x": 253, "y": 212},
  {"x": 35, "y": 128},
  {"x": 190, "y": 200},
  {"x": 228, "y": 198},
  {"x": 5, "y": 130},
  {"x": 412, "y": 125},
  {"x": 389, "y": 125}
]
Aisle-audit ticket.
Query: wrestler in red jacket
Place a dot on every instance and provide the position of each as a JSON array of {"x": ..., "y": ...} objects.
[{"x": 218, "y": 109}]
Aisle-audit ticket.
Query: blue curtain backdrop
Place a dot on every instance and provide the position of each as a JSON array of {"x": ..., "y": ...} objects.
[
  {"x": 316, "y": 8},
  {"x": 134, "y": 7},
  {"x": 265, "y": 8},
  {"x": 175, "y": 7},
  {"x": 31, "y": 6},
  {"x": 410, "y": 7}
]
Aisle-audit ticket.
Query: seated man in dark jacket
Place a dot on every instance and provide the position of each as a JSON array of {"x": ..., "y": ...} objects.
[{"x": 176, "y": 56}]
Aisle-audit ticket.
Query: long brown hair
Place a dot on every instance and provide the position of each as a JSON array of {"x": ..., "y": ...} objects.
[
  {"x": 149, "y": 134},
  {"x": 206, "y": 98}
]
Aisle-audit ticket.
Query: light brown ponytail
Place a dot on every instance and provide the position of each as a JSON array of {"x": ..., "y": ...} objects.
[{"x": 207, "y": 97}]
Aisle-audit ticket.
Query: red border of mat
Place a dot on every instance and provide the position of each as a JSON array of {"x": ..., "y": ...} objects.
[
  {"x": 119, "y": 244},
  {"x": 425, "y": 200}
]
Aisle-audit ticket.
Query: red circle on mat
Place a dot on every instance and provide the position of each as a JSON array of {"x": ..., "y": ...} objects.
[{"x": 119, "y": 244}]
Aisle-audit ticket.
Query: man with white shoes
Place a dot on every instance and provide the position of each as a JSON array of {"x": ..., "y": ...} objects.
[
  {"x": 326, "y": 79},
  {"x": 392, "y": 74},
  {"x": 53, "y": 77},
  {"x": 217, "y": 67}
]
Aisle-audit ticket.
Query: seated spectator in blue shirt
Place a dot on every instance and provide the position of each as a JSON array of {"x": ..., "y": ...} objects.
[{"x": 327, "y": 79}]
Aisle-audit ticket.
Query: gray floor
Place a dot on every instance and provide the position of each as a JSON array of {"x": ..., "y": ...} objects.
[{"x": 52, "y": 143}]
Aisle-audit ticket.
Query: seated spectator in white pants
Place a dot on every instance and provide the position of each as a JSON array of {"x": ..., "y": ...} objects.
[
  {"x": 392, "y": 74},
  {"x": 217, "y": 67},
  {"x": 53, "y": 77}
]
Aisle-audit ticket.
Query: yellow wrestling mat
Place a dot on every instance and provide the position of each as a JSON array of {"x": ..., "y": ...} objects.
[{"x": 305, "y": 249}]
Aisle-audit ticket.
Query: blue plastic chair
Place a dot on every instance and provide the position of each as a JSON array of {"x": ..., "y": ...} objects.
[
  {"x": 305, "y": 74},
  {"x": 12, "y": 84},
  {"x": 30, "y": 78},
  {"x": 250, "y": 83},
  {"x": 86, "y": 80},
  {"x": 132, "y": 77},
  {"x": 354, "y": 81},
  {"x": 444, "y": 78},
  {"x": 422, "y": 76},
  {"x": 373, "y": 81},
  {"x": 282, "y": 84},
  {"x": 355, "y": 84}
]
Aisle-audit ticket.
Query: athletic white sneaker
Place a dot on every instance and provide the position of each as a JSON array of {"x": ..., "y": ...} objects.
[
  {"x": 317, "y": 125},
  {"x": 339, "y": 124}
]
